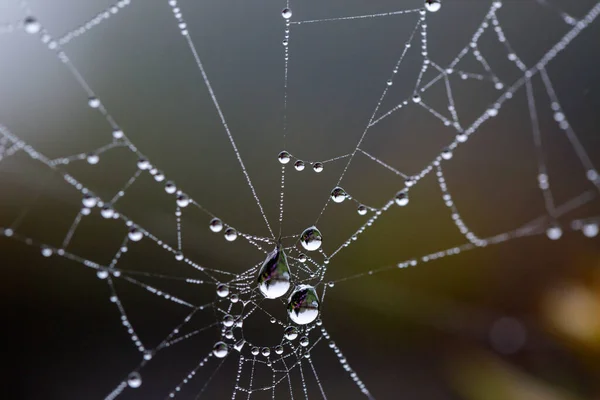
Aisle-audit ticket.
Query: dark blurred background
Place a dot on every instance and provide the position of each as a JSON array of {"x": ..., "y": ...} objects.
[{"x": 520, "y": 320}]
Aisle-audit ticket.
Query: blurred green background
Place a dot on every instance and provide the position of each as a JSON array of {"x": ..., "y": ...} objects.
[{"x": 520, "y": 320}]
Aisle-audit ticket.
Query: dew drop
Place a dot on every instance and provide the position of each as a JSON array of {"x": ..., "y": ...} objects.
[
  {"x": 590, "y": 229},
  {"x": 93, "y": 158},
  {"x": 318, "y": 167},
  {"x": 304, "y": 342},
  {"x": 46, "y": 251},
  {"x": 433, "y": 5},
  {"x": 179, "y": 256},
  {"x": 286, "y": 13},
  {"x": 107, "y": 212},
  {"x": 134, "y": 380},
  {"x": 274, "y": 275},
  {"x": 93, "y": 102},
  {"x": 216, "y": 225},
  {"x": 311, "y": 239},
  {"x": 32, "y": 25},
  {"x": 302, "y": 258},
  {"x": 102, "y": 274},
  {"x": 303, "y": 305},
  {"x": 284, "y": 157},
  {"x": 554, "y": 232},
  {"x": 183, "y": 200},
  {"x": 299, "y": 165},
  {"x": 228, "y": 320},
  {"x": 401, "y": 198},
  {"x": 117, "y": 134},
  {"x": 446, "y": 154},
  {"x": 278, "y": 349},
  {"x": 143, "y": 163},
  {"x": 338, "y": 195},
  {"x": 285, "y": 42},
  {"x": 229, "y": 334},
  {"x": 255, "y": 351},
  {"x": 265, "y": 351},
  {"x": 416, "y": 98},
  {"x": 170, "y": 187},
  {"x": 290, "y": 333},
  {"x": 230, "y": 234},
  {"x": 89, "y": 201},
  {"x": 135, "y": 234},
  {"x": 222, "y": 290},
  {"x": 220, "y": 350}
]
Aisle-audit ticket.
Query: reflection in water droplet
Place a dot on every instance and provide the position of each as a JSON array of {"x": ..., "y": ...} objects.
[
  {"x": 303, "y": 305},
  {"x": 318, "y": 167},
  {"x": 338, "y": 195},
  {"x": 220, "y": 350},
  {"x": 284, "y": 157},
  {"x": 230, "y": 234},
  {"x": 291, "y": 333},
  {"x": 299, "y": 165},
  {"x": 286, "y": 13},
  {"x": 279, "y": 349},
  {"x": 311, "y": 239},
  {"x": 362, "y": 210},
  {"x": 134, "y": 380},
  {"x": 274, "y": 275}
]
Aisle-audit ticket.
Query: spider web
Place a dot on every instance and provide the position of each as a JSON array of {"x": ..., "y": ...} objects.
[{"x": 215, "y": 300}]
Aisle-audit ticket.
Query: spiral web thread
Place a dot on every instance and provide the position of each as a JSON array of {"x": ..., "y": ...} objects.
[{"x": 290, "y": 357}]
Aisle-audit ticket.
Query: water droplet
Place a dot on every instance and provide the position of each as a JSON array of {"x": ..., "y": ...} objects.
[
  {"x": 416, "y": 98},
  {"x": 229, "y": 334},
  {"x": 302, "y": 258},
  {"x": 433, "y": 5},
  {"x": 170, "y": 187},
  {"x": 338, "y": 195},
  {"x": 183, "y": 200},
  {"x": 331, "y": 284},
  {"x": 304, "y": 341},
  {"x": 147, "y": 355},
  {"x": 554, "y": 232},
  {"x": 93, "y": 158},
  {"x": 228, "y": 320},
  {"x": 303, "y": 305},
  {"x": 255, "y": 351},
  {"x": 134, "y": 380},
  {"x": 230, "y": 234},
  {"x": 285, "y": 42},
  {"x": 278, "y": 349},
  {"x": 290, "y": 333},
  {"x": 93, "y": 102},
  {"x": 299, "y": 165},
  {"x": 274, "y": 275},
  {"x": 286, "y": 13},
  {"x": 222, "y": 290},
  {"x": 117, "y": 134},
  {"x": 265, "y": 351},
  {"x": 85, "y": 211},
  {"x": 89, "y": 201},
  {"x": 46, "y": 251},
  {"x": 32, "y": 25},
  {"x": 389, "y": 82},
  {"x": 590, "y": 229},
  {"x": 216, "y": 225},
  {"x": 311, "y": 239},
  {"x": 143, "y": 164},
  {"x": 362, "y": 210},
  {"x": 102, "y": 274},
  {"x": 318, "y": 167},
  {"x": 220, "y": 350},
  {"x": 284, "y": 157},
  {"x": 234, "y": 298},
  {"x": 401, "y": 198},
  {"x": 135, "y": 234},
  {"x": 179, "y": 256},
  {"x": 446, "y": 154}
]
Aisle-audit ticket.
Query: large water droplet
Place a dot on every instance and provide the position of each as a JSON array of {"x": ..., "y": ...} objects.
[
  {"x": 222, "y": 290},
  {"x": 286, "y": 13},
  {"x": 183, "y": 200},
  {"x": 220, "y": 350},
  {"x": 299, "y": 165},
  {"x": 303, "y": 305},
  {"x": 216, "y": 225},
  {"x": 284, "y": 157},
  {"x": 290, "y": 333},
  {"x": 311, "y": 239},
  {"x": 134, "y": 380},
  {"x": 318, "y": 167},
  {"x": 274, "y": 275},
  {"x": 554, "y": 232},
  {"x": 590, "y": 229},
  {"x": 338, "y": 194},
  {"x": 135, "y": 234},
  {"x": 228, "y": 320},
  {"x": 401, "y": 198},
  {"x": 230, "y": 234},
  {"x": 32, "y": 25},
  {"x": 433, "y": 5},
  {"x": 362, "y": 210}
]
